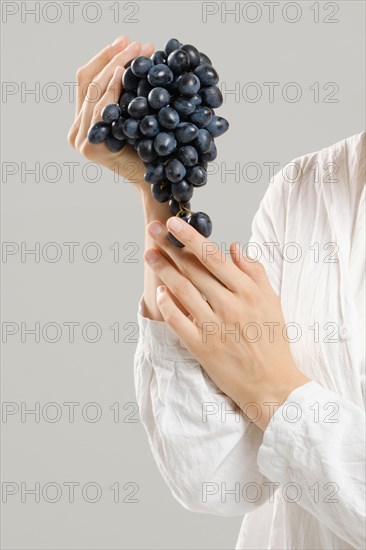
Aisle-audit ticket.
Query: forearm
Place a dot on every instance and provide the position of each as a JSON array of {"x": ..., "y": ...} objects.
[
  {"x": 153, "y": 210},
  {"x": 181, "y": 411}
]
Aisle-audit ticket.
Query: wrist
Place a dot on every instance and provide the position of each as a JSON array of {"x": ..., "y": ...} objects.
[
  {"x": 153, "y": 210},
  {"x": 279, "y": 397},
  {"x": 261, "y": 403}
]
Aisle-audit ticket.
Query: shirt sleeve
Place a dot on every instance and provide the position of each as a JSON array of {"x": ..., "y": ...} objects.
[
  {"x": 204, "y": 446},
  {"x": 314, "y": 449}
]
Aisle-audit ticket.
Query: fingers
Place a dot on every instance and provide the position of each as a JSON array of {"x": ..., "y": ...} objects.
[
  {"x": 87, "y": 72},
  {"x": 191, "y": 268},
  {"x": 85, "y": 76},
  {"x": 111, "y": 95},
  {"x": 181, "y": 325},
  {"x": 100, "y": 81},
  {"x": 253, "y": 268},
  {"x": 179, "y": 286},
  {"x": 98, "y": 86},
  {"x": 114, "y": 87},
  {"x": 113, "y": 91},
  {"x": 208, "y": 253}
]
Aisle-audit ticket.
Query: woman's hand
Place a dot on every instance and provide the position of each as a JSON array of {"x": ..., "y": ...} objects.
[
  {"x": 235, "y": 325},
  {"x": 100, "y": 83}
]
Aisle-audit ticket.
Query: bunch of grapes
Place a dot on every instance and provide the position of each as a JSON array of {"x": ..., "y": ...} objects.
[{"x": 166, "y": 112}]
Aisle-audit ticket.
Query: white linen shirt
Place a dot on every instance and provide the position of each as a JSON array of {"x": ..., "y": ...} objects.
[{"x": 301, "y": 483}]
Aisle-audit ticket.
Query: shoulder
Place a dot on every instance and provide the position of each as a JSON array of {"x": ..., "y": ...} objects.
[{"x": 341, "y": 163}]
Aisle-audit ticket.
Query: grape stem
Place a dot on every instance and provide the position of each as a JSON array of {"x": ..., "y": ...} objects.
[{"x": 183, "y": 209}]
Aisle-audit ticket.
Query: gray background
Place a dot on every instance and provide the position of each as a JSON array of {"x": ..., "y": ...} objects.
[{"x": 105, "y": 212}]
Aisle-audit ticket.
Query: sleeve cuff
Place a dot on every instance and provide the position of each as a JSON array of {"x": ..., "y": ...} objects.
[
  {"x": 274, "y": 454},
  {"x": 158, "y": 338}
]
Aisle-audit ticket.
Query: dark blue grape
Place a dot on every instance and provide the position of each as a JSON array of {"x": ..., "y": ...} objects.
[
  {"x": 155, "y": 172},
  {"x": 174, "y": 240},
  {"x": 160, "y": 75},
  {"x": 141, "y": 65},
  {"x": 168, "y": 118},
  {"x": 188, "y": 155},
  {"x": 166, "y": 112},
  {"x": 146, "y": 150},
  {"x": 149, "y": 126},
  {"x": 165, "y": 143},
  {"x": 211, "y": 96},
  {"x": 136, "y": 142},
  {"x": 193, "y": 54},
  {"x": 129, "y": 80},
  {"x": 201, "y": 223},
  {"x": 217, "y": 126},
  {"x": 111, "y": 112},
  {"x": 138, "y": 107},
  {"x": 183, "y": 216},
  {"x": 171, "y": 45},
  {"x": 175, "y": 206},
  {"x": 204, "y": 59},
  {"x": 161, "y": 191},
  {"x": 175, "y": 171},
  {"x": 125, "y": 100},
  {"x": 158, "y": 57},
  {"x": 182, "y": 191},
  {"x": 211, "y": 153},
  {"x": 158, "y": 98},
  {"x": 203, "y": 141},
  {"x": 184, "y": 106},
  {"x": 207, "y": 74},
  {"x": 144, "y": 87},
  {"x": 173, "y": 86},
  {"x": 196, "y": 100},
  {"x": 197, "y": 175},
  {"x": 189, "y": 84},
  {"x": 131, "y": 128},
  {"x": 178, "y": 61},
  {"x": 117, "y": 129},
  {"x": 186, "y": 132},
  {"x": 99, "y": 132},
  {"x": 201, "y": 117},
  {"x": 114, "y": 145}
]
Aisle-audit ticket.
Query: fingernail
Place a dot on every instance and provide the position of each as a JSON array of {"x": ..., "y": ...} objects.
[
  {"x": 146, "y": 46},
  {"x": 151, "y": 255},
  {"x": 155, "y": 229},
  {"x": 160, "y": 289},
  {"x": 175, "y": 224}
]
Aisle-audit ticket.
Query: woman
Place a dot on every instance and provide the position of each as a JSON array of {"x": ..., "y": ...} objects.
[{"x": 246, "y": 413}]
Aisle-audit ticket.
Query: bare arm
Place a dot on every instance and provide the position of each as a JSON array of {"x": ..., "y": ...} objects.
[{"x": 152, "y": 211}]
